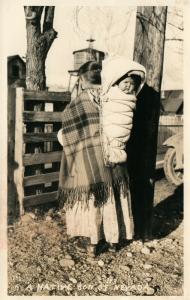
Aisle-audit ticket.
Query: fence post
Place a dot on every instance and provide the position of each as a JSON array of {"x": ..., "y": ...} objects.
[
  {"x": 19, "y": 171},
  {"x": 11, "y": 201}
]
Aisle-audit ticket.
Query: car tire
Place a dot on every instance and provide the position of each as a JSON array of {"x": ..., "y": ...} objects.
[{"x": 172, "y": 175}]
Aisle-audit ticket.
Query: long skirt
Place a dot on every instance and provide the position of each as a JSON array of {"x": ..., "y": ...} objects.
[{"x": 112, "y": 221}]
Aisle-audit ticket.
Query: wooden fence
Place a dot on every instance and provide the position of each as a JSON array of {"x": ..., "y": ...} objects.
[{"x": 34, "y": 152}]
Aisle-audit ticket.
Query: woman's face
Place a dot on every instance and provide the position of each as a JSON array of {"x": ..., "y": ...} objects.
[{"x": 127, "y": 85}]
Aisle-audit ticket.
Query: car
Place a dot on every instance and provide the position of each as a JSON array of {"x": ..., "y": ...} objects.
[
  {"x": 173, "y": 159},
  {"x": 170, "y": 148}
]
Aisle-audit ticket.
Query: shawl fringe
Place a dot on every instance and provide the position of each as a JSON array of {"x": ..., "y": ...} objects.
[{"x": 101, "y": 191}]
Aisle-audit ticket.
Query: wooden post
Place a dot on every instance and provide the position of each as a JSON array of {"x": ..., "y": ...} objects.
[
  {"x": 19, "y": 171},
  {"x": 149, "y": 51},
  {"x": 11, "y": 150}
]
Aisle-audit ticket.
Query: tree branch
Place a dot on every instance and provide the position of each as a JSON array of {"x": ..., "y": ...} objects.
[
  {"x": 142, "y": 18},
  {"x": 174, "y": 39},
  {"x": 32, "y": 12},
  {"x": 178, "y": 27},
  {"x": 49, "y": 34},
  {"x": 176, "y": 13},
  {"x": 48, "y": 18},
  {"x": 29, "y": 14},
  {"x": 48, "y": 38}
]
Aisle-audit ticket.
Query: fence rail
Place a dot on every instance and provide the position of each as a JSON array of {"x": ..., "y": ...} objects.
[
  {"x": 34, "y": 160},
  {"x": 41, "y": 116},
  {"x": 47, "y": 96},
  {"x": 40, "y": 199},
  {"x": 41, "y": 158},
  {"x": 42, "y": 178},
  {"x": 39, "y": 137}
]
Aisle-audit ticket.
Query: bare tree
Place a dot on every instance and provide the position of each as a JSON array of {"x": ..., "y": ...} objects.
[
  {"x": 174, "y": 30},
  {"x": 103, "y": 23},
  {"x": 39, "y": 40}
]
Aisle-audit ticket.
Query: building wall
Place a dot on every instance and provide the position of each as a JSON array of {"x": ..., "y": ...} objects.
[
  {"x": 82, "y": 57},
  {"x": 16, "y": 72}
]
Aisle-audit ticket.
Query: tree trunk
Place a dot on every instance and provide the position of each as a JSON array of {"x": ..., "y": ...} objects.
[
  {"x": 39, "y": 40},
  {"x": 38, "y": 45},
  {"x": 149, "y": 51},
  {"x": 149, "y": 42}
]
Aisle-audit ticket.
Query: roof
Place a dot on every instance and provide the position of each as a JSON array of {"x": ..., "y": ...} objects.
[
  {"x": 73, "y": 71},
  {"x": 11, "y": 57},
  {"x": 172, "y": 101},
  {"x": 87, "y": 49}
]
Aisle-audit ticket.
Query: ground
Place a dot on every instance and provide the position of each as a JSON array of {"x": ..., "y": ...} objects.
[{"x": 42, "y": 261}]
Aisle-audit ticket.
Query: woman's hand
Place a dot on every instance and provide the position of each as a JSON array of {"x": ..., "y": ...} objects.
[{"x": 59, "y": 137}]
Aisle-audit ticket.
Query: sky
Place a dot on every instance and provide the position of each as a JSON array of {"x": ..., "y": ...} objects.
[{"x": 102, "y": 24}]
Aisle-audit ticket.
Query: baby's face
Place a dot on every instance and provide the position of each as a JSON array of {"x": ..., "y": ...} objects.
[{"x": 127, "y": 85}]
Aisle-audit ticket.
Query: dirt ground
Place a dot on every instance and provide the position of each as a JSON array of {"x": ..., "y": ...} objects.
[{"x": 42, "y": 261}]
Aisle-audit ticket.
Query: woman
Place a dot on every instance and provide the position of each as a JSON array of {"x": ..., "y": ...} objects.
[{"x": 96, "y": 197}]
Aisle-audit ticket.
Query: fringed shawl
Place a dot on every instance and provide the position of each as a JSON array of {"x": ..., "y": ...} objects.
[{"x": 82, "y": 171}]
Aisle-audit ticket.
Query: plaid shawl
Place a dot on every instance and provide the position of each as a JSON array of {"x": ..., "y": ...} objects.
[{"x": 82, "y": 169}]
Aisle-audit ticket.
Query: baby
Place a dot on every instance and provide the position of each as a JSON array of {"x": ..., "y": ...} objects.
[{"x": 118, "y": 101}]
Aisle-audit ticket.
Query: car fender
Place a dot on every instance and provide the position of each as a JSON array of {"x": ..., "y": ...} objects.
[{"x": 176, "y": 142}]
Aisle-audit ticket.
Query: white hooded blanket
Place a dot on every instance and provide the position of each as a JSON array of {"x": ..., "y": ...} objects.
[{"x": 117, "y": 108}]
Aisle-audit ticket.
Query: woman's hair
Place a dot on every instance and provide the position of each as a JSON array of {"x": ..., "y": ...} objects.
[
  {"x": 90, "y": 71},
  {"x": 136, "y": 78}
]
